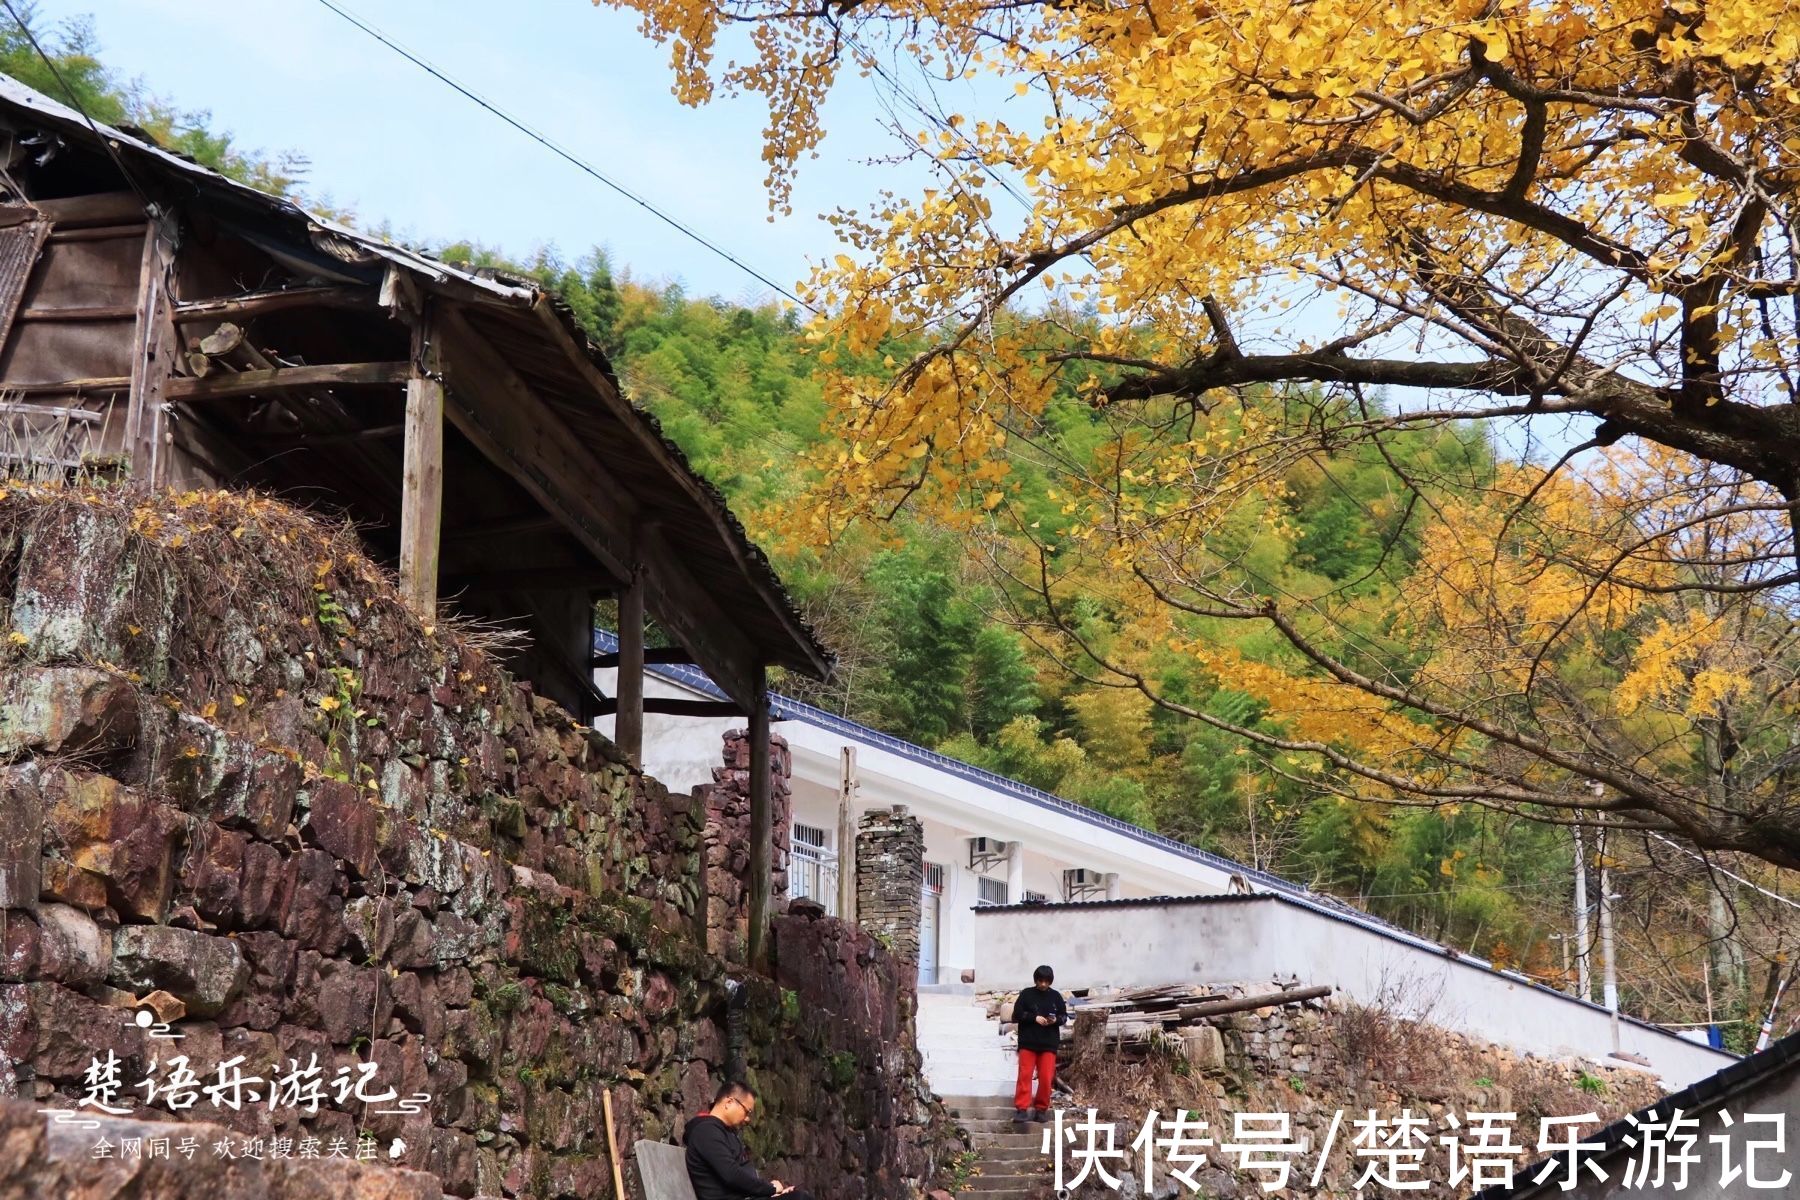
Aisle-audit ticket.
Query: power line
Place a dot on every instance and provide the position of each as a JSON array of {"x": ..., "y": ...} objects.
[
  {"x": 559, "y": 151},
  {"x": 939, "y": 121},
  {"x": 74, "y": 99},
  {"x": 1713, "y": 866}
]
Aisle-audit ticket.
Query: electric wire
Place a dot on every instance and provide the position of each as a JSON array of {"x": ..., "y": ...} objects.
[
  {"x": 106, "y": 143},
  {"x": 555, "y": 148}
]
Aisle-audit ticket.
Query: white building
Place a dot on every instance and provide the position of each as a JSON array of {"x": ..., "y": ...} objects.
[{"x": 992, "y": 842}]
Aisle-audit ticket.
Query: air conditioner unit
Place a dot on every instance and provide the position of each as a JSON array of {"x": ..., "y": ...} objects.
[
  {"x": 986, "y": 853},
  {"x": 1082, "y": 883}
]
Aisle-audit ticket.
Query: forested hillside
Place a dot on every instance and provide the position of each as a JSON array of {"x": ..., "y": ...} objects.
[{"x": 936, "y": 641}]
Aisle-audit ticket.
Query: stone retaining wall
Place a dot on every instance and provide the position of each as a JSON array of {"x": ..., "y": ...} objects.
[{"x": 245, "y": 790}]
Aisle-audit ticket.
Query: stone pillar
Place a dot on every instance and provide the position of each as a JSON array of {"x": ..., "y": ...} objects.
[
  {"x": 890, "y": 877},
  {"x": 1113, "y": 890},
  {"x": 725, "y": 847},
  {"x": 1015, "y": 873}
]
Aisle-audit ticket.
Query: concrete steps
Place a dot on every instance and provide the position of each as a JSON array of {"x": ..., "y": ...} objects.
[
  {"x": 963, "y": 1052},
  {"x": 1011, "y": 1163}
]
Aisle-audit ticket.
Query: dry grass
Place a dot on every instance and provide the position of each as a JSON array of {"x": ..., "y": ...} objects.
[{"x": 178, "y": 572}]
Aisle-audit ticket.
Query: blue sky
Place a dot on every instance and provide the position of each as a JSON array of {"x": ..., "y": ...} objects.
[
  {"x": 395, "y": 145},
  {"x": 390, "y": 142}
]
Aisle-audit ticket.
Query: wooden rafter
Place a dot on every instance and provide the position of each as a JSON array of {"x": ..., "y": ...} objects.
[
  {"x": 653, "y": 448},
  {"x": 669, "y": 706},
  {"x": 507, "y": 420},
  {"x": 654, "y": 656},
  {"x": 529, "y": 579},
  {"x": 287, "y": 379},
  {"x": 250, "y": 305}
]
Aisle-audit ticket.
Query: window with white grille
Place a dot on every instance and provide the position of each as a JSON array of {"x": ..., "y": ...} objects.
[
  {"x": 992, "y": 891},
  {"x": 934, "y": 877},
  {"x": 813, "y": 866}
]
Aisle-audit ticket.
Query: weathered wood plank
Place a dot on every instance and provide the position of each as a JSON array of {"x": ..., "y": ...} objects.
[
  {"x": 762, "y": 830},
  {"x": 628, "y": 726},
  {"x": 103, "y": 312},
  {"x": 422, "y": 487},
  {"x": 655, "y": 656},
  {"x": 86, "y": 416},
  {"x": 153, "y": 355},
  {"x": 280, "y": 379},
  {"x": 109, "y": 383},
  {"x": 250, "y": 305},
  {"x": 96, "y": 208},
  {"x": 102, "y": 233}
]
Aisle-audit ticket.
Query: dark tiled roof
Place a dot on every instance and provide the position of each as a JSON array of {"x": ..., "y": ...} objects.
[{"x": 1705, "y": 1096}]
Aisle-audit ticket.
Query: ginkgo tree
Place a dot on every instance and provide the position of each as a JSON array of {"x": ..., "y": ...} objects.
[{"x": 1570, "y": 222}]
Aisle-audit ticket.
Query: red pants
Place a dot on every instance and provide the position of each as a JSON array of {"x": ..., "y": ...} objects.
[{"x": 1043, "y": 1062}]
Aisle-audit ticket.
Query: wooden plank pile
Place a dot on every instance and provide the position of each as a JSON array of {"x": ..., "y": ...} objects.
[{"x": 1131, "y": 1020}]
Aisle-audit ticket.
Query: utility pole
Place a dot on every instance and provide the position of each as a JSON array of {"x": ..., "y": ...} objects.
[
  {"x": 1585, "y": 982},
  {"x": 1609, "y": 963}
]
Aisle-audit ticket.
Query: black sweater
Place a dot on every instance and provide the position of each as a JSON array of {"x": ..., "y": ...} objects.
[
  {"x": 1039, "y": 1002},
  {"x": 718, "y": 1165}
]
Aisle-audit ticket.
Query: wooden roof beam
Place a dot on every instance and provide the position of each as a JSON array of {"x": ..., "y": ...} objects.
[
  {"x": 653, "y": 447},
  {"x": 287, "y": 379},
  {"x": 507, "y": 420},
  {"x": 250, "y": 305}
]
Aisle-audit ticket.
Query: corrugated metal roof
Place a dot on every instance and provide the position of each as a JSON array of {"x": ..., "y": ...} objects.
[
  {"x": 704, "y": 530},
  {"x": 1274, "y": 887}
]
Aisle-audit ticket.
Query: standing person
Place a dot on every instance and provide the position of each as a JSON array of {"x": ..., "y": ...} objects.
[
  {"x": 1040, "y": 1014},
  {"x": 717, "y": 1163}
]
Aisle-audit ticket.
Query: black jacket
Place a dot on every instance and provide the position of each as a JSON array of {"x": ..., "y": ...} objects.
[
  {"x": 718, "y": 1165},
  {"x": 1038, "y": 1002}
]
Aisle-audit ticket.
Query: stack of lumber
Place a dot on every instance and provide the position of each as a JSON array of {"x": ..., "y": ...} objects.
[{"x": 1132, "y": 1019}]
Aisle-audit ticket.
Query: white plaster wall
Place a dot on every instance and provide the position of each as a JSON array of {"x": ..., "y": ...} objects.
[
  {"x": 946, "y": 843},
  {"x": 679, "y": 752},
  {"x": 682, "y": 752},
  {"x": 1237, "y": 941},
  {"x": 1258, "y": 939}
]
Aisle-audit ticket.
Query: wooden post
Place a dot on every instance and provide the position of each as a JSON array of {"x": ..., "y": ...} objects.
[
  {"x": 422, "y": 491},
  {"x": 846, "y": 834},
  {"x": 152, "y": 356},
  {"x": 628, "y": 724},
  {"x": 762, "y": 831}
]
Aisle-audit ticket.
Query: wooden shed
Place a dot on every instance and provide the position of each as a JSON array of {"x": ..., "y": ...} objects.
[
  {"x": 162, "y": 322},
  {"x": 166, "y": 322}
]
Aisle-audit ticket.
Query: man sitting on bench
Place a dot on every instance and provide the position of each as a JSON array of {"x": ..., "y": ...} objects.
[{"x": 718, "y": 1165}]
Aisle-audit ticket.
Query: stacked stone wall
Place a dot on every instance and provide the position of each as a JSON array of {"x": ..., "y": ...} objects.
[
  {"x": 726, "y": 841},
  {"x": 890, "y": 873},
  {"x": 244, "y": 790}
]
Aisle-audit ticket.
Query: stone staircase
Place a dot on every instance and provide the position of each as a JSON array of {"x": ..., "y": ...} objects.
[
  {"x": 963, "y": 1051},
  {"x": 1012, "y": 1165}
]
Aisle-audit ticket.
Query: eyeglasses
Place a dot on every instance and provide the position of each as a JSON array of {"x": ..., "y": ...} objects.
[{"x": 747, "y": 1109}]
